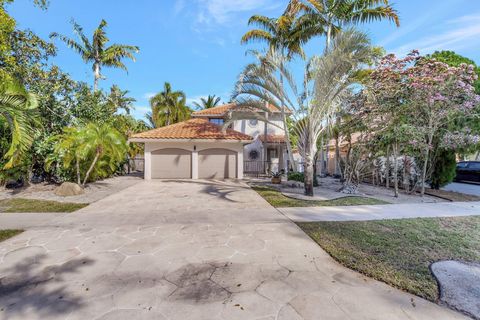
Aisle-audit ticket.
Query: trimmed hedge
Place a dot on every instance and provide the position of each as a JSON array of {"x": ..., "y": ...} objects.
[{"x": 300, "y": 177}]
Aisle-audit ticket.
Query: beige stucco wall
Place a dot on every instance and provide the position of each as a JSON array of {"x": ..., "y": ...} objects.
[{"x": 190, "y": 145}]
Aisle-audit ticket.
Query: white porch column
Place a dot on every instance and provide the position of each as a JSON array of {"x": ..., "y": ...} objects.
[
  {"x": 147, "y": 167},
  {"x": 194, "y": 164},
  {"x": 240, "y": 164}
]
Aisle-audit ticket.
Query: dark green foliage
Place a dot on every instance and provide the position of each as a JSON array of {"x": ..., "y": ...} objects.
[
  {"x": 300, "y": 177},
  {"x": 443, "y": 169}
]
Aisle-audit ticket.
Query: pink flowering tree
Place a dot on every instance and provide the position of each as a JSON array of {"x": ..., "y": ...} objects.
[
  {"x": 412, "y": 101},
  {"x": 387, "y": 108},
  {"x": 437, "y": 95}
]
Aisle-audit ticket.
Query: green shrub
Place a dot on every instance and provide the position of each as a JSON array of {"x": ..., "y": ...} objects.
[
  {"x": 300, "y": 177},
  {"x": 444, "y": 170}
]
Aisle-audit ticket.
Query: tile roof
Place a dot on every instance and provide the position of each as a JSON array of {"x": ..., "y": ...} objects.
[
  {"x": 223, "y": 109},
  {"x": 196, "y": 128},
  {"x": 272, "y": 138}
]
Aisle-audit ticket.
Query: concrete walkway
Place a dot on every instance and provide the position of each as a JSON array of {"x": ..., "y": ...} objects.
[
  {"x": 187, "y": 250},
  {"x": 380, "y": 212}
]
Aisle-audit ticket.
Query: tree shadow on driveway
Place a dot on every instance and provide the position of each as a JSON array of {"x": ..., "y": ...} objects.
[{"x": 27, "y": 288}]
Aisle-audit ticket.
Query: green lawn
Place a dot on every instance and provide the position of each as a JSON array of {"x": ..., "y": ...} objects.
[
  {"x": 278, "y": 200},
  {"x": 399, "y": 252},
  {"x": 31, "y": 205},
  {"x": 5, "y": 234}
]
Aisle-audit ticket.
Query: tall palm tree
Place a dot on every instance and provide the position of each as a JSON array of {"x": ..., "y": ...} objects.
[
  {"x": 279, "y": 34},
  {"x": 118, "y": 99},
  {"x": 210, "y": 102},
  {"x": 323, "y": 89},
  {"x": 168, "y": 107},
  {"x": 19, "y": 109},
  {"x": 283, "y": 36},
  {"x": 96, "y": 51},
  {"x": 328, "y": 17}
]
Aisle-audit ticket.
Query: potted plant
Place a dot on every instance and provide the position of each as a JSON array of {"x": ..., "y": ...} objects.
[{"x": 276, "y": 177}]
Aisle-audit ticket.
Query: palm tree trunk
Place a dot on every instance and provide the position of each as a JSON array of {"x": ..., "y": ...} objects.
[
  {"x": 97, "y": 75},
  {"x": 329, "y": 36},
  {"x": 291, "y": 160},
  {"x": 77, "y": 167},
  {"x": 97, "y": 155}
]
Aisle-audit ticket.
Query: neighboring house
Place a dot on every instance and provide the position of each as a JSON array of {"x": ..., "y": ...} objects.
[{"x": 200, "y": 148}]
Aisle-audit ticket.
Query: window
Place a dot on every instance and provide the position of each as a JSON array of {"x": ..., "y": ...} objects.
[
  {"x": 217, "y": 121},
  {"x": 253, "y": 155},
  {"x": 462, "y": 165},
  {"x": 253, "y": 122}
]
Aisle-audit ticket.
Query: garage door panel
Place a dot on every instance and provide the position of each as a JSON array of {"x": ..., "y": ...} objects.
[
  {"x": 217, "y": 164},
  {"x": 171, "y": 163}
]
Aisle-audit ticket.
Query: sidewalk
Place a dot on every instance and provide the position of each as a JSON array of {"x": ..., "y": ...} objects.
[{"x": 380, "y": 212}]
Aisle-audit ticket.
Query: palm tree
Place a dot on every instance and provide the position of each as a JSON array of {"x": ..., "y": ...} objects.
[
  {"x": 326, "y": 83},
  {"x": 90, "y": 147},
  {"x": 118, "y": 99},
  {"x": 328, "y": 17},
  {"x": 279, "y": 33},
  {"x": 96, "y": 51},
  {"x": 19, "y": 109},
  {"x": 210, "y": 102},
  {"x": 282, "y": 36},
  {"x": 168, "y": 107}
]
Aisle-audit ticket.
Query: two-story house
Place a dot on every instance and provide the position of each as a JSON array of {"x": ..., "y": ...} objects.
[{"x": 200, "y": 148}]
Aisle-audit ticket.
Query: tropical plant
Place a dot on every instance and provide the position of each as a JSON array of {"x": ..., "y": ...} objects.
[
  {"x": 19, "y": 109},
  {"x": 90, "y": 149},
  {"x": 97, "y": 51},
  {"x": 326, "y": 82},
  {"x": 168, "y": 107},
  {"x": 206, "y": 103},
  {"x": 118, "y": 99},
  {"x": 328, "y": 17},
  {"x": 281, "y": 36}
]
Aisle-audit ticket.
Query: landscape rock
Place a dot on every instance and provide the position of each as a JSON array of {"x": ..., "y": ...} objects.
[
  {"x": 68, "y": 189},
  {"x": 459, "y": 285}
]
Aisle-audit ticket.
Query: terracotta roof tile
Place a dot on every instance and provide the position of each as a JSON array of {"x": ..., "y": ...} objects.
[
  {"x": 223, "y": 109},
  {"x": 196, "y": 128},
  {"x": 272, "y": 138}
]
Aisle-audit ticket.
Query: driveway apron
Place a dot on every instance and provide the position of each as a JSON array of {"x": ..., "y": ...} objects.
[{"x": 204, "y": 250}]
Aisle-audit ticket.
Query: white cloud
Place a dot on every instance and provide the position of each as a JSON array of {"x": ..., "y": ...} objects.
[
  {"x": 438, "y": 10},
  {"x": 149, "y": 95},
  {"x": 140, "y": 111},
  {"x": 463, "y": 32},
  {"x": 178, "y": 6},
  {"x": 224, "y": 11}
]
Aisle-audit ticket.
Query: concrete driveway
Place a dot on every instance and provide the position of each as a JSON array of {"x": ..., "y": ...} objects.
[{"x": 187, "y": 250}]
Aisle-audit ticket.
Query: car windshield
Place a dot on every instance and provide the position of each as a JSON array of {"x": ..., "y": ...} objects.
[{"x": 474, "y": 165}]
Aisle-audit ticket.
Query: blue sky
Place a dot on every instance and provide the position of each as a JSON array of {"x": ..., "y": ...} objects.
[{"x": 195, "y": 44}]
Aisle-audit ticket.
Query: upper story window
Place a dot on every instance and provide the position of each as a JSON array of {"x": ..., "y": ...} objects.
[
  {"x": 217, "y": 121},
  {"x": 253, "y": 122}
]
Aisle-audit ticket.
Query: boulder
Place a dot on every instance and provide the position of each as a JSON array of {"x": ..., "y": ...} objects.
[{"x": 68, "y": 189}]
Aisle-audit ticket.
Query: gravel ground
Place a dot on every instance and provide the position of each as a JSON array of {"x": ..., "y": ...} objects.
[
  {"x": 327, "y": 190},
  {"x": 93, "y": 191}
]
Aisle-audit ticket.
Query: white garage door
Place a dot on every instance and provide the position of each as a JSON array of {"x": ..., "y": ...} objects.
[
  {"x": 171, "y": 164},
  {"x": 217, "y": 164}
]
